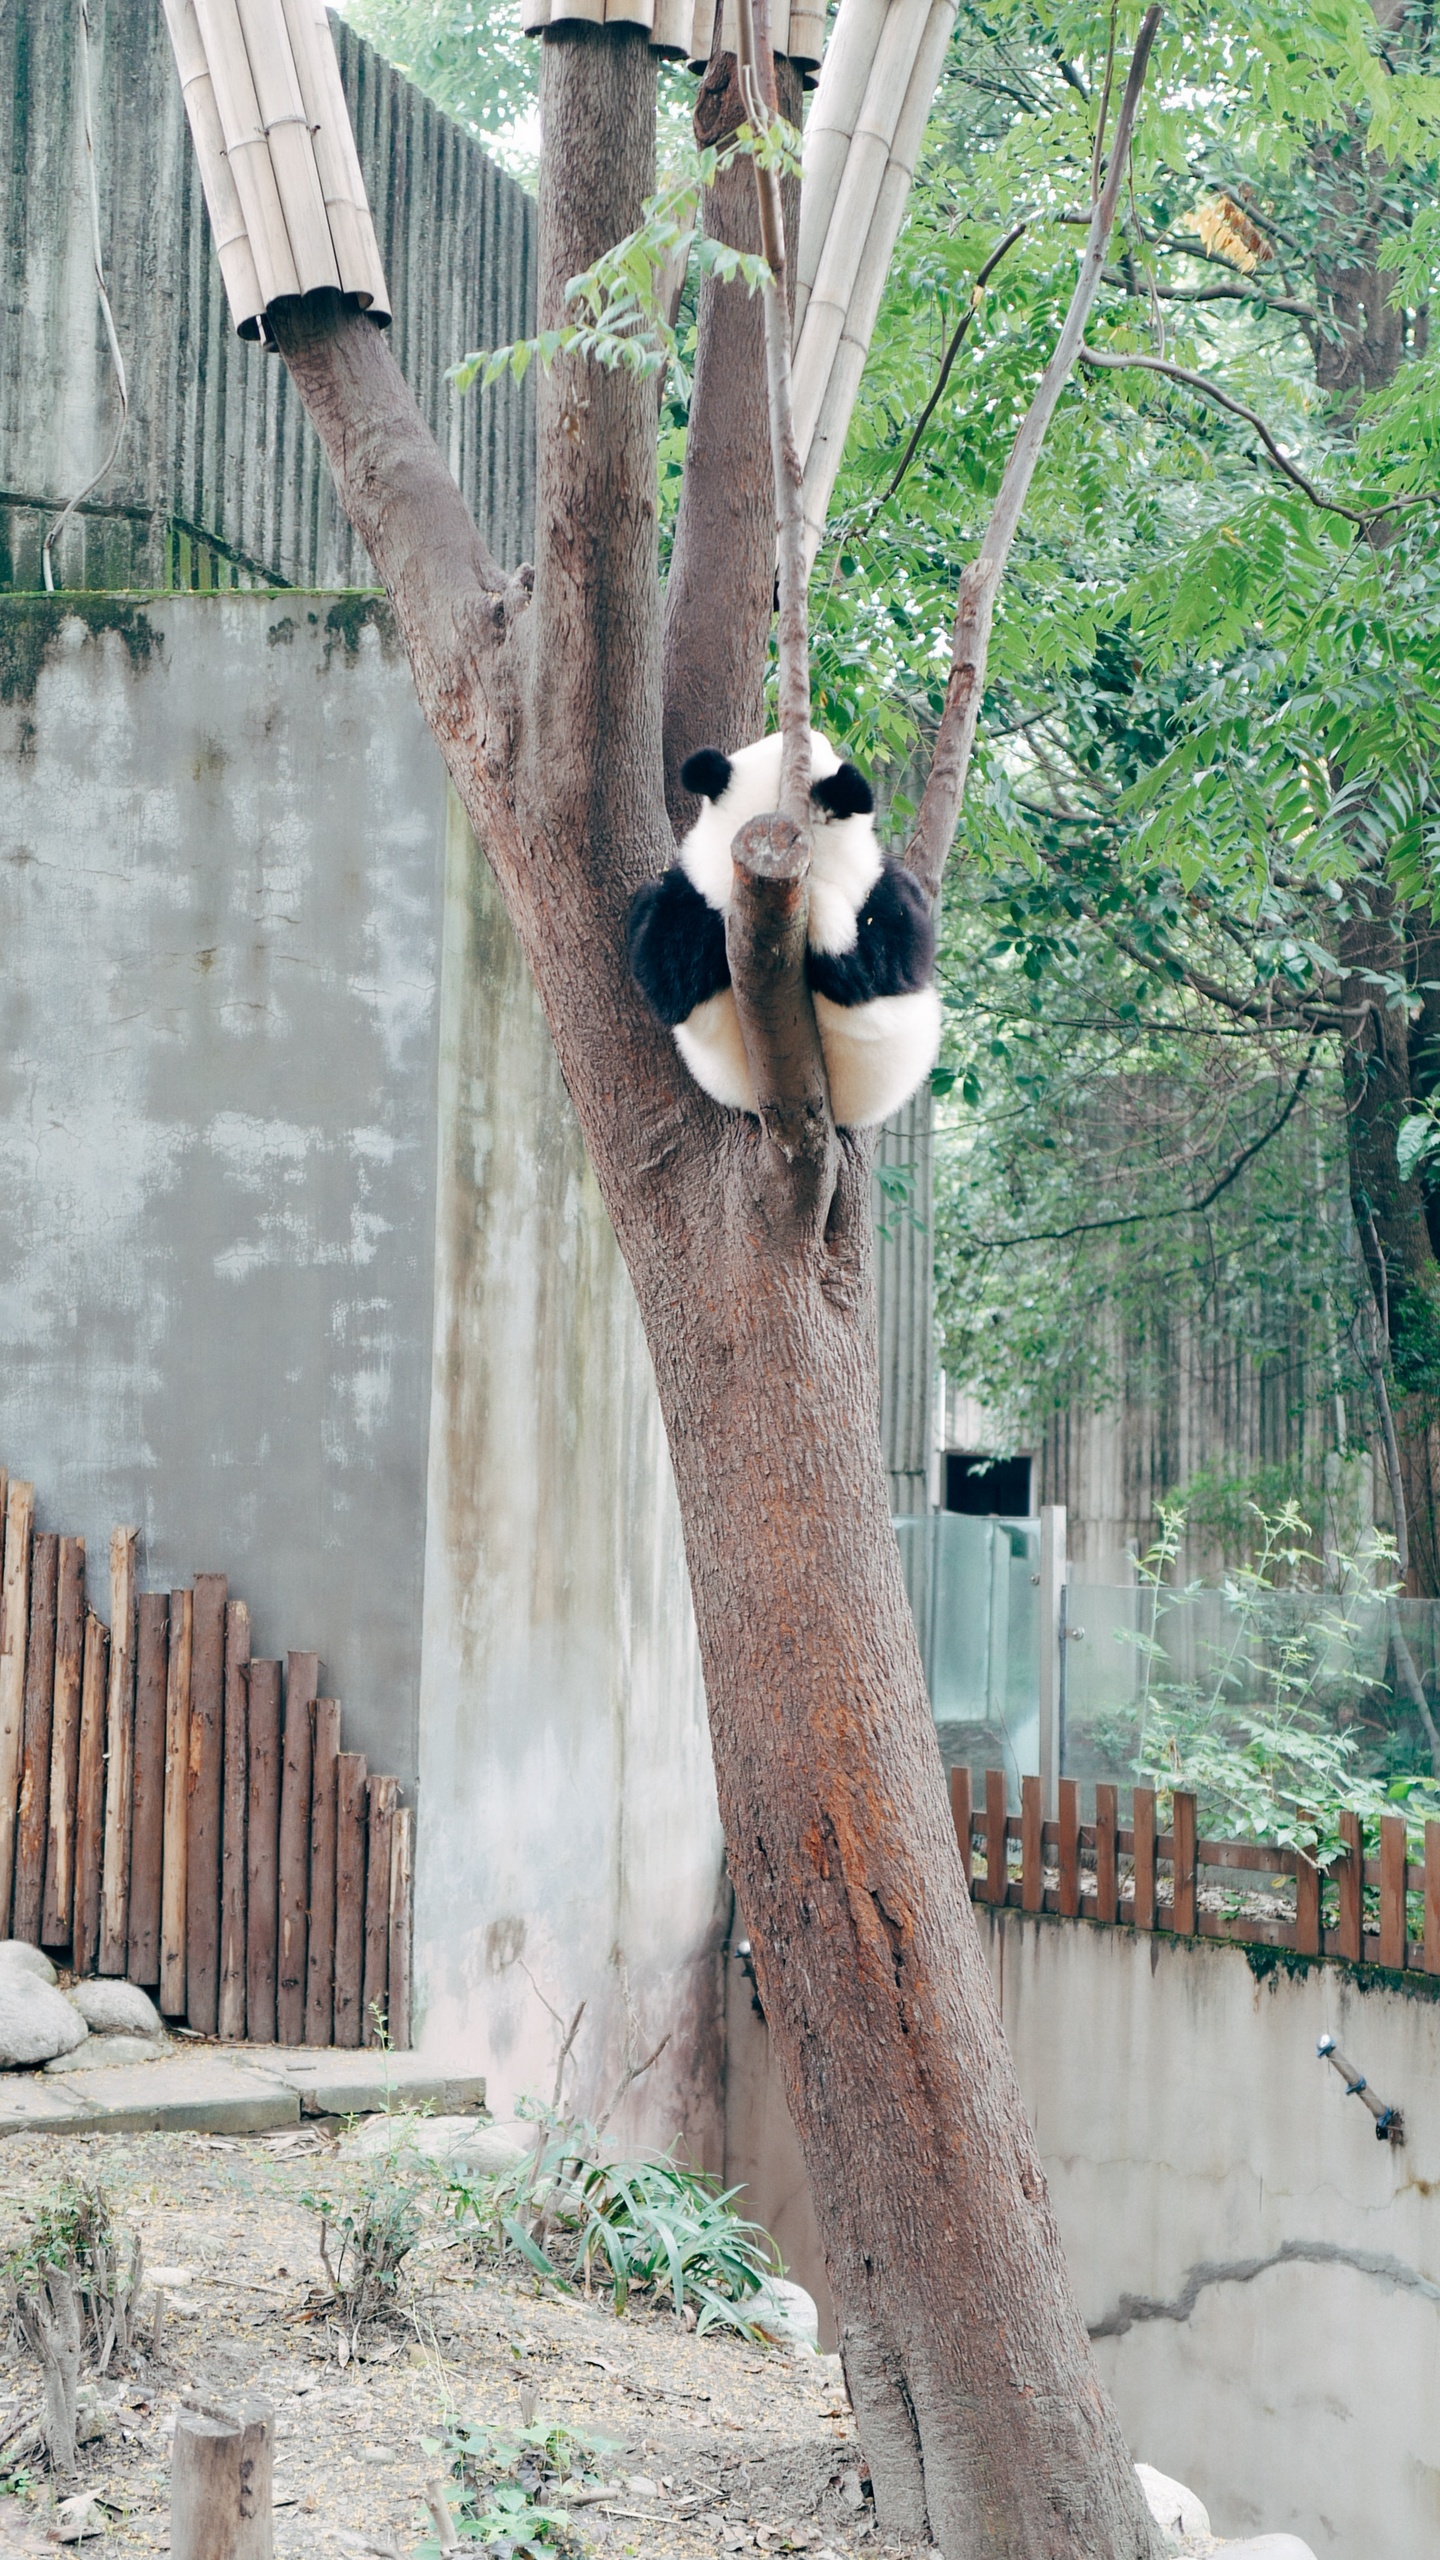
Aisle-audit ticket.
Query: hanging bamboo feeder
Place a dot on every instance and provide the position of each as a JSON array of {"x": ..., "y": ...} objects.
[
  {"x": 277, "y": 157},
  {"x": 683, "y": 28}
]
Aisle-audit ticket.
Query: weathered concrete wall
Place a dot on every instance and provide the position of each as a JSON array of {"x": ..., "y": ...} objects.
[
  {"x": 220, "y": 473},
  {"x": 221, "y": 845},
  {"x": 562, "y": 1704},
  {"x": 1261, "y": 2276}
]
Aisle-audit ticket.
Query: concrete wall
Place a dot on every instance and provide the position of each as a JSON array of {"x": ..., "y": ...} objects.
[
  {"x": 1260, "y": 2275},
  {"x": 562, "y": 1703},
  {"x": 221, "y": 833}
]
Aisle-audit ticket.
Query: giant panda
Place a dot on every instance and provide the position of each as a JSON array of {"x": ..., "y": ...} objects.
[{"x": 871, "y": 938}]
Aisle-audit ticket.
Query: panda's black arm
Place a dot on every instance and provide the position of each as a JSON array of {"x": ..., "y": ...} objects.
[
  {"x": 894, "y": 953},
  {"x": 676, "y": 947}
]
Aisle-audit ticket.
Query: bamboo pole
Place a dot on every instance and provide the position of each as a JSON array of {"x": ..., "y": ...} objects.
[
  {"x": 90, "y": 1795},
  {"x": 56, "y": 1925},
  {"x": 175, "y": 1854},
  {"x": 32, "y": 1812},
  {"x": 337, "y": 162},
  {"x": 839, "y": 97},
  {"x": 227, "y": 218},
  {"x": 14, "y": 1629},
  {"x": 235, "y": 1784},
  {"x": 402, "y": 1880},
  {"x": 286, "y": 137},
  {"x": 119, "y": 1754},
  {"x": 248, "y": 159}
]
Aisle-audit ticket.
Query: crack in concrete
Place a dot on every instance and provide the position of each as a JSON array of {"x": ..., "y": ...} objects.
[{"x": 1135, "y": 2307}]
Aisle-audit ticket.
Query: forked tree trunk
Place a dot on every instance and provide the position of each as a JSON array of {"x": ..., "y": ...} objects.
[{"x": 979, "y": 2406}]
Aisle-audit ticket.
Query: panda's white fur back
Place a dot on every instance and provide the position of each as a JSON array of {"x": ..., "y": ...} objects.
[
  {"x": 845, "y": 858},
  {"x": 875, "y": 1053}
]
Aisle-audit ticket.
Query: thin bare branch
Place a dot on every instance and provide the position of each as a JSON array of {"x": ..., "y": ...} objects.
[
  {"x": 952, "y": 351},
  {"x": 940, "y": 808},
  {"x": 1209, "y": 390}
]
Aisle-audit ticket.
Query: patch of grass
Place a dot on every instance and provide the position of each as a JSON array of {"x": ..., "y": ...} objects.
[{"x": 510, "y": 2488}]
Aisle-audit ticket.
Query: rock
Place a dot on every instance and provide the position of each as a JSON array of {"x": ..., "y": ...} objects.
[
  {"x": 120, "y": 2007},
  {"x": 1171, "y": 2503},
  {"x": 26, "y": 1959},
  {"x": 786, "y": 2312},
  {"x": 458, "y": 2142},
  {"x": 36, "y": 2022},
  {"x": 98, "y": 2051},
  {"x": 77, "y": 2518}
]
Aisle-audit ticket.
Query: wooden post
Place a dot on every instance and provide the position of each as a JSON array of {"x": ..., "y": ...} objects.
[
  {"x": 1350, "y": 1878},
  {"x": 175, "y": 1864},
  {"x": 235, "y": 1787},
  {"x": 32, "y": 1812},
  {"x": 57, "y": 1922},
  {"x": 351, "y": 1794},
  {"x": 203, "y": 1824},
  {"x": 147, "y": 1820},
  {"x": 402, "y": 1878},
  {"x": 1432, "y": 1897},
  {"x": 1182, "y": 1908},
  {"x": 1069, "y": 1800},
  {"x": 14, "y": 1630},
  {"x": 262, "y": 1852},
  {"x": 222, "y": 2482},
  {"x": 302, "y": 1678},
  {"x": 119, "y": 1755},
  {"x": 1107, "y": 1874},
  {"x": 320, "y": 1958},
  {"x": 962, "y": 1815},
  {"x": 1393, "y": 1932},
  {"x": 383, "y": 1793},
  {"x": 1143, "y": 1821},
  {"x": 90, "y": 1795},
  {"x": 1307, "y": 1905},
  {"x": 996, "y": 1865},
  {"x": 1032, "y": 1846}
]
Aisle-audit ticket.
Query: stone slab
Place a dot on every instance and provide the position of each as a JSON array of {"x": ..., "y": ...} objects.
[
  {"x": 336, "y": 2082},
  {"x": 234, "y": 2089}
]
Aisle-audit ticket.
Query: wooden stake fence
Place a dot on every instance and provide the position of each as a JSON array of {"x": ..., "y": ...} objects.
[
  {"x": 172, "y": 1811},
  {"x": 1140, "y": 1877}
]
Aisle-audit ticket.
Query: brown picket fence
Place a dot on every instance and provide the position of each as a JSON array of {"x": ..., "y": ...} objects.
[
  {"x": 175, "y": 1813},
  {"x": 1139, "y": 1877}
]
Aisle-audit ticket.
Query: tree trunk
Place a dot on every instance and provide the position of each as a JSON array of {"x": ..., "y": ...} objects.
[{"x": 980, "y": 2408}]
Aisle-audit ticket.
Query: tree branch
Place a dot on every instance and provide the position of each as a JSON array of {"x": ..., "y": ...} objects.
[
  {"x": 765, "y": 946},
  {"x": 934, "y": 832},
  {"x": 952, "y": 351}
]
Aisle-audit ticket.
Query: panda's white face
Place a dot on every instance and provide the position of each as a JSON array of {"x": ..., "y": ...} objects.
[{"x": 845, "y": 858}]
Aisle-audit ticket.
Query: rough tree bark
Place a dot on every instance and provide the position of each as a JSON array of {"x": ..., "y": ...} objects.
[{"x": 981, "y": 2412}]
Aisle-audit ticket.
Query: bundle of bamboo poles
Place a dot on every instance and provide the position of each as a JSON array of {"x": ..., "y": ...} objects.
[
  {"x": 683, "y": 28},
  {"x": 174, "y": 1812},
  {"x": 277, "y": 156},
  {"x": 862, "y": 143}
]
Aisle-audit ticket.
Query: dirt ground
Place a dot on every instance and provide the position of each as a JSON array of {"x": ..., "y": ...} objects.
[{"x": 747, "y": 2448}]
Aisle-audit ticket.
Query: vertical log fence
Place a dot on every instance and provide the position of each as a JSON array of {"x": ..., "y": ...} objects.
[
  {"x": 174, "y": 1812},
  {"x": 1382, "y": 1910}
]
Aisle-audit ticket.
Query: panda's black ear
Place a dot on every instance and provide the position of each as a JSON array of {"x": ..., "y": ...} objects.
[
  {"x": 707, "y": 773},
  {"x": 845, "y": 794}
]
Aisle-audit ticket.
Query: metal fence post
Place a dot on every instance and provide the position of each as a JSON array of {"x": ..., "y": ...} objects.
[{"x": 1052, "y": 1639}]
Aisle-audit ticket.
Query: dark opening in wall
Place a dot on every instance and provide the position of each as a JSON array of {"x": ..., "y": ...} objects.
[{"x": 982, "y": 1486}]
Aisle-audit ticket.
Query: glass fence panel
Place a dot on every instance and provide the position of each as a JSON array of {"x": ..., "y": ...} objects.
[{"x": 974, "y": 1590}]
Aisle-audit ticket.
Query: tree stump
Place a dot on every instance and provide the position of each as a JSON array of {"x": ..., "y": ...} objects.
[{"x": 221, "y": 2478}]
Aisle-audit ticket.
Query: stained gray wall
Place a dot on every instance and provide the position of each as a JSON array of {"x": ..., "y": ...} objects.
[
  {"x": 1261, "y": 2277},
  {"x": 221, "y": 865},
  {"x": 220, "y": 475}
]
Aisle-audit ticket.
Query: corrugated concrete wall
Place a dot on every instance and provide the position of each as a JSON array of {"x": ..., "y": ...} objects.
[
  {"x": 1261, "y": 2276},
  {"x": 220, "y": 475}
]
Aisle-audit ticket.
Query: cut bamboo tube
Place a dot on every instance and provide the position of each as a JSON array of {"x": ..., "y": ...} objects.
[
  {"x": 623, "y": 13},
  {"x": 383, "y": 1794},
  {"x": 55, "y": 1927},
  {"x": 286, "y": 137},
  {"x": 32, "y": 1812},
  {"x": 302, "y": 1679},
  {"x": 175, "y": 1860},
  {"x": 147, "y": 1818},
  {"x": 402, "y": 1879},
  {"x": 839, "y": 97},
  {"x": 119, "y": 1755},
  {"x": 320, "y": 1955},
  {"x": 203, "y": 1826},
  {"x": 14, "y": 1629},
  {"x": 351, "y": 1824},
  {"x": 235, "y": 1787},
  {"x": 227, "y": 219},
  {"x": 90, "y": 1795},
  {"x": 262, "y": 1850},
  {"x": 337, "y": 161}
]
